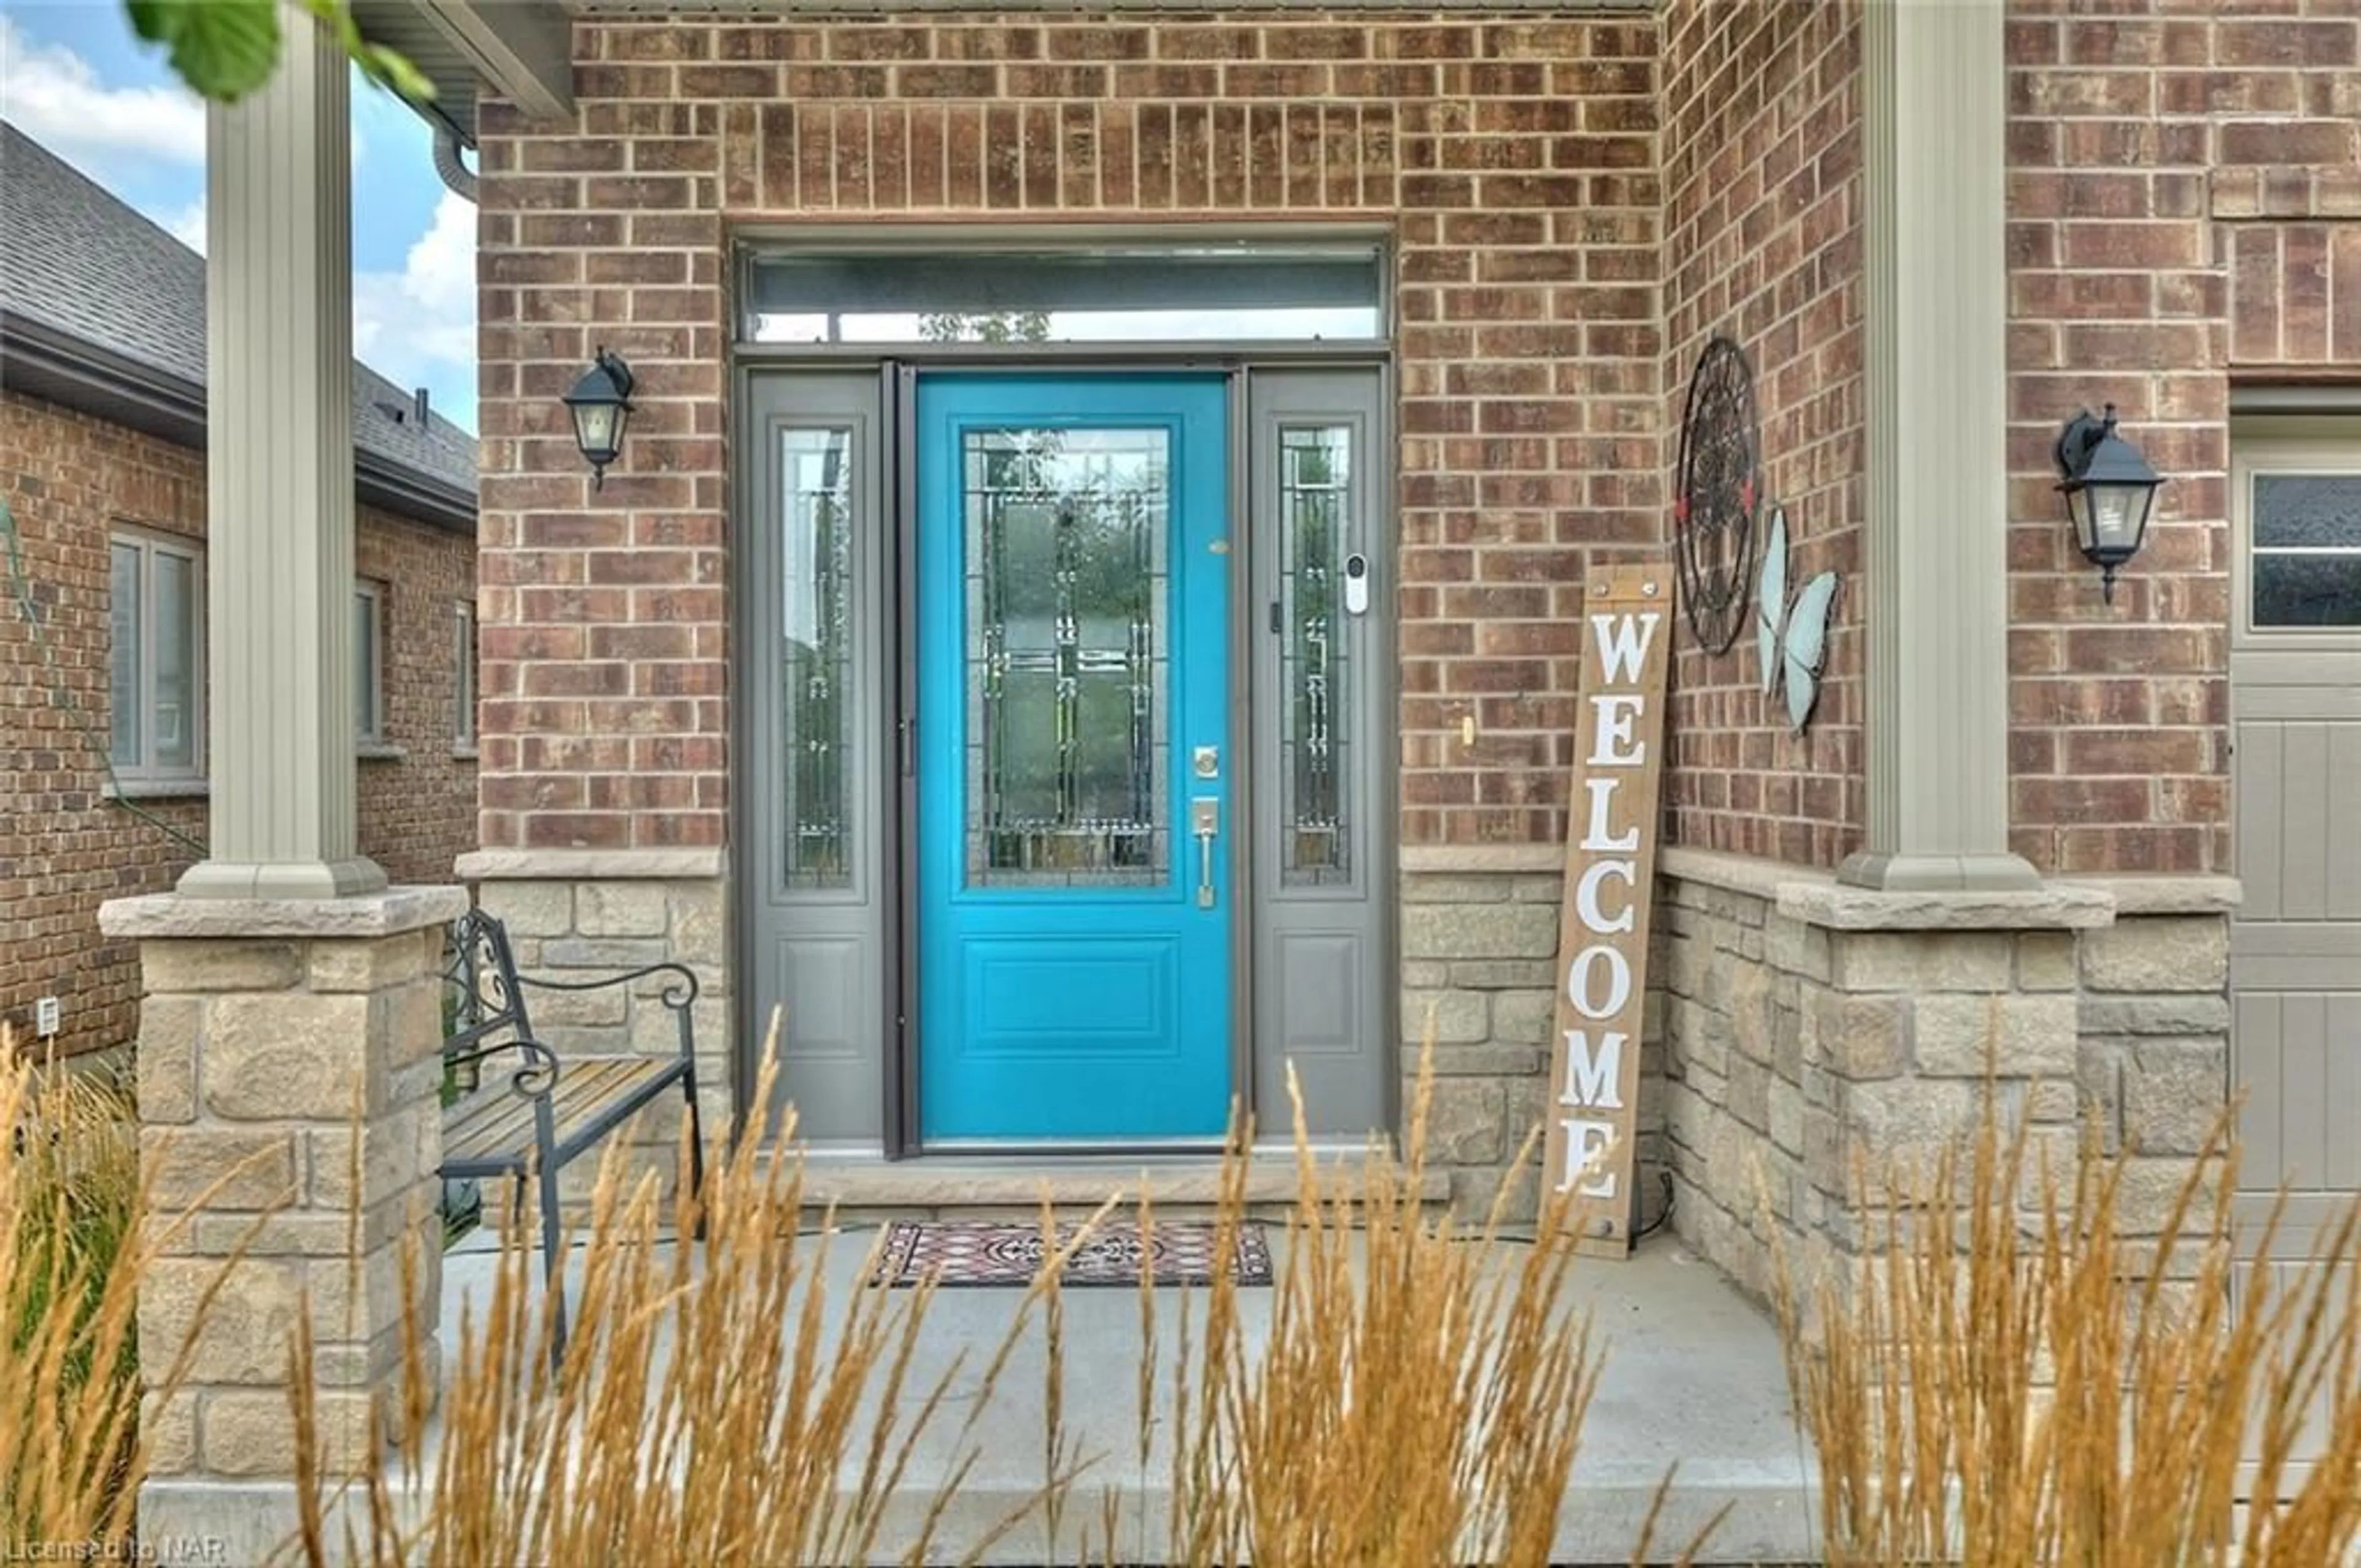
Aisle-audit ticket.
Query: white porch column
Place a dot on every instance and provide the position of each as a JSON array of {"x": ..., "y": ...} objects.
[
  {"x": 280, "y": 466},
  {"x": 1934, "y": 112}
]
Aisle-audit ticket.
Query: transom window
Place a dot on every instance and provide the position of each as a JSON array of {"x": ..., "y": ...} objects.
[{"x": 1231, "y": 292}]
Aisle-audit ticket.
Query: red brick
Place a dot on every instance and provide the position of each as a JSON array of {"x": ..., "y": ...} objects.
[
  {"x": 2278, "y": 143},
  {"x": 1543, "y": 348}
]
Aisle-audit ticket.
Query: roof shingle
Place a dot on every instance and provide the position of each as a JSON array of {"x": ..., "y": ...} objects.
[{"x": 77, "y": 259}]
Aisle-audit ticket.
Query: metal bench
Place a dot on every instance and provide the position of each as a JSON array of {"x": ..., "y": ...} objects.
[{"x": 552, "y": 1110}]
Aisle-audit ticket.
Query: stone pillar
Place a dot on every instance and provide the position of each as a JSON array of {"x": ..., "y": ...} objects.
[
  {"x": 1815, "y": 1031},
  {"x": 1936, "y": 588},
  {"x": 279, "y": 453},
  {"x": 272, "y": 1035},
  {"x": 1922, "y": 1003}
]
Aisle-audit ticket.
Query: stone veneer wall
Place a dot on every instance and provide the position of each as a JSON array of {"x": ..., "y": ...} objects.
[
  {"x": 1480, "y": 940},
  {"x": 1800, "y": 1038},
  {"x": 589, "y": 916}
]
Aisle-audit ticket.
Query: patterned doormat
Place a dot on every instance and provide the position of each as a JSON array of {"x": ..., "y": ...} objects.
[{"x": 1009, "y": 1252}]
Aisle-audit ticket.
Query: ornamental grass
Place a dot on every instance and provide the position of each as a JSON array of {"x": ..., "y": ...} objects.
[
  {"x": 70, "y": 1257},
  {"x": 712, "y": 1404},
  {"x": 1419, "y": 1401},
  {"x": 1418, "y": 1396},
  {"x": 2009, "y": 1383},
  {"x": 2004, "y": 1384}
]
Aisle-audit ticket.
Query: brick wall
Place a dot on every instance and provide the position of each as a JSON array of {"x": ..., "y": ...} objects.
[
  {"x": 2182, "y": 198},
  {"x": 64, "y": 848},
  {"x": 1762, "y": 244},
  {"x": 2181, "y": 195},
  {"x": 1514, "y": 160},
  {"x": 418, "y": 810}
]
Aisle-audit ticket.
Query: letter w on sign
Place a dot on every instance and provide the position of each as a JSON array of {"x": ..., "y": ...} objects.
[{"x": 1611, "y": 873}]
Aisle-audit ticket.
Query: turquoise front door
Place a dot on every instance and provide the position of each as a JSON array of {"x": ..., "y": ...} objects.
[{"x": 1073, "y": 809}]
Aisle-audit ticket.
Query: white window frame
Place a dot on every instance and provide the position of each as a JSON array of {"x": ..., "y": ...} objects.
[
  {"x": 368, "y": 693},
  {"x": 150, "y": 544},
  {"x": 2326, "y": 445},
  {"x": 464, "y": 679}
]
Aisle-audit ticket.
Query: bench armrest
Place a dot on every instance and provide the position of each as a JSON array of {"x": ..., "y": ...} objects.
[
  {"x": 678, "y": 993},
  {"x": 534, "y": 1080}
]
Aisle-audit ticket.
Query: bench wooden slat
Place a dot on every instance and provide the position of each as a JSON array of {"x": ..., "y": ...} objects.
[
  {"x": 611, "y": 1079},
  {"x": 499, "y": 1124}
]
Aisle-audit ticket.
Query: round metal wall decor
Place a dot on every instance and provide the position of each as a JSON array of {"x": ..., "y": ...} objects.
[{"x": 1717, "y": 485}]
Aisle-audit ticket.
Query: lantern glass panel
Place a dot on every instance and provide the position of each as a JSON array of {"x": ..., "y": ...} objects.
[
  {"x": 598, "y": 428},
  {"x": 2117, "y": 512}
]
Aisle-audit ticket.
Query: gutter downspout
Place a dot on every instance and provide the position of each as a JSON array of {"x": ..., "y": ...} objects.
[{"x": 456, "y": 175}]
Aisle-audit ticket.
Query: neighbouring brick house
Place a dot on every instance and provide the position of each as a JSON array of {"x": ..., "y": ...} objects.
[
  {"x": 102, "y": 462},
  {"x": 1083, "y": 617}
]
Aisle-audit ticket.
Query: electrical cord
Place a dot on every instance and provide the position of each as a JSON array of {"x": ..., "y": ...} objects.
[{"x": 1663, "y": 1215}]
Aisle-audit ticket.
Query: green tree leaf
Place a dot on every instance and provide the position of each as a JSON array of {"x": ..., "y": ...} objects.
[
  {"x": 222, "y": 48},
  {"x": 225, "y": 48}
]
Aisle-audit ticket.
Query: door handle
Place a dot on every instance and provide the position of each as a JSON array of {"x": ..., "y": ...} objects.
[{"x": 1205, "y": 819}]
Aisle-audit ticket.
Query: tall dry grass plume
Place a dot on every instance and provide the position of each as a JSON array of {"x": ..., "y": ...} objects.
[
  {"x": 1417, "y": 1399},
  {"x": 72, "y": 1249},
  {"x": 2010, "y": 1383},
  {"x": 712, "y": 1405}
]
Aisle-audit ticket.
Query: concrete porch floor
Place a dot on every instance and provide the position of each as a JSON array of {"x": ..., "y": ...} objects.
[{"x": 1692, "y": 1374}]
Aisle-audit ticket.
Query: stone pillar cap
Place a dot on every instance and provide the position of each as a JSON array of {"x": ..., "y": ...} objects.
[{"x": 389, "y": 913}]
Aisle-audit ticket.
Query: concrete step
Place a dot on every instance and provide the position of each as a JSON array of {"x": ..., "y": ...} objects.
[{"x": 864, "y": 1185}]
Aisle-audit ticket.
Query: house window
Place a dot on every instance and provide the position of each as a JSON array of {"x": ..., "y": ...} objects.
[
  {"x": 1215, "y": 290},
  {"x": 2304, "y": 549},
  {"x": 816, "y": 652},
  {"x": 1316, "y": 525},
  {"x": 464, "y": 731},
  {"x": 368, "y": 664},
  {"x": 156, "y": 605}
]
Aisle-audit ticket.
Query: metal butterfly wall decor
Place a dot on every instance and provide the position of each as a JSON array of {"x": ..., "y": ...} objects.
[{"x": 1793, "y": 635}]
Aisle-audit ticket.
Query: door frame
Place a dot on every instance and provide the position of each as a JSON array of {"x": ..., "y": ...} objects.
[
  {"x": 897, "y": 368},
  {"x": 2275, "y": 440}
]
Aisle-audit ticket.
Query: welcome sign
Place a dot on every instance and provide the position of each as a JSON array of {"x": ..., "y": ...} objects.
[{"x": 1610, "y": 872}]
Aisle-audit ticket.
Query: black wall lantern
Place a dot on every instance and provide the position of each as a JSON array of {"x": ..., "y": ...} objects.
[
  {"x": 2109, "y": 491},
  {"x": 602, "y": 405}
]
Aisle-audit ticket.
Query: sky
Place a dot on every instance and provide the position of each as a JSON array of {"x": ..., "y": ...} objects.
[{"x": 75, "y": 78}]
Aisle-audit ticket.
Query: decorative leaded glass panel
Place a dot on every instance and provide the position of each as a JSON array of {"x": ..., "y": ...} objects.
[
  {"x": 815, "y": 654},
  {"x": 1066, "y": 583},
  {"x": 1314, "y": 523}
]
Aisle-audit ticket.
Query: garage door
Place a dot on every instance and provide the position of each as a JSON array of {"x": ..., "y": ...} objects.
[{"x": 2295, "y": 953}]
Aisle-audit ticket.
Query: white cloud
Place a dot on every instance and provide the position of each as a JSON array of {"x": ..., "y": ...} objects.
[
  {"x": 418, "y": 325},
  {"x": 51, "y": 95},
  {"x": 188, "y": 225}
]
